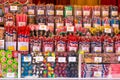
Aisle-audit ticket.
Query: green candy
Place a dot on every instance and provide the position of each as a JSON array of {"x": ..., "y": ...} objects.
[
  {"x": 10, "y": 69},
  {"x": 9, "y": 54},
  {"x": 15, "y": 60},
  {"x": 53, "y": 75},
  {"x": 10, "y": 62},
  {"x": 2, "y": 53},
  {"x": 45, "y": 72},
  {"x": 3, "y": 59},
  {"x": 4, "y": 65},
  {"x": 15, "y": 66},
  {"x": 67, "y": 8}
]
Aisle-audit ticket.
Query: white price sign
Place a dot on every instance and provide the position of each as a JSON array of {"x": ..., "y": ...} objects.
[
  {"x": 73, "y": 49},
  {"x": 97, "y": 13},
  {"x": 98, "y": 59},
  {"x": 31, "y": 12},
  {"x": 72, "y": 59},
  {"x": 21, "y": 23},
  {"x": 114, "y": 13},
  {"x": 27, "y": 59},
  {"x": 42, "y": 27},
  {"x": 71, "y": 29},
  {"x": 60, "y": 48},
  {"x": 85, "y": 49},
  {"x": 69, "y": 13},
  {"x": 97, "y": 74},
  {"x": 97, "y": 49},
  {"x": 86, "y": 13},
  {"x": 39, "y": 58},
  {"x": 51, "y": 59},
  {"x": 115, "y": 25},
  {"x": 108, "y": 30},
  {"x": 87, "y": 25},
  {"x": 109, "y": 49},
  {"x": 36, "y": 48},
  {"x": 105, "y": 13},
  {"x": 118, "y": 58},
  {"x": 49, "y": 49},
  {"x": 14, "y": 8},
  {"x": 10, "y": 75},
  {"x": 61, "y": 59},
  {"x": 40, "y": 12},
  {"x": 59, "y": 12}
]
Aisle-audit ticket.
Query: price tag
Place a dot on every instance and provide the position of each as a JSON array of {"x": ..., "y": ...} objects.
[
  {"x": 36, "y": 48},
  {"x": 118, "y": 58},
  {"x": 51, "y": 24},
  {"x": 115, "y": 25},
  {"x": 68, "y": 24},
  {"x": 27, "y": 59},
  {"x": 42, "y": 27},
  {"x": 97, "y": 13},
  {"x": 59, "y": 12},
  {"x": 87, "y": 25},
  {"x": 9, "y": 23},
  {"x": 1, "y": 44},
  {"x": 23, "y": 46},
  {"x": 105, "y": 13},
  {"x": 60, "y": 48},
  {"x": 51, "y": 59},
  {"x": 68, "y": 12},
  {"x": 78, "y": 25},
  {"x": 40, "y": 12},
  {"x": 71, "y": 29},
  {"x": 73, "y": 49},
  {"x": 118, "y": 49},
  {"x": 39, "y": 58},
  {"x": 86, "y": 13},
  {"x": 97, "y": 49},
  {"x": 50, "y": 12},
  {"x": 108, "y": 30},
  {"x": 31, "y": 12},
  {"x": 59, "y": 25},
  {"x": 48, "y": 49},
  {"x": 85, "y": 49},
  {"x": 21, "y": 23},
  {"x": 13, "y": 8},
  {"x": 96, "y": 25},
  {"x": 11, "y": 46},
  {"x": 78, "y": 13},
  {"x": 61, "y": 59},
  {"x": 72, "y": 59},
  {"x": 98, "y": 59},
  {"x": 114, "y": 13},
  {"x": 10, "y": 75},
  {"x": 97, "y": 74},
  {"x": 109, "y": 49}
]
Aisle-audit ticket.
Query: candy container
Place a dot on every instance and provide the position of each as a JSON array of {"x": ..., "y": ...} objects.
[
  {"x": 23, "y": 1},
  {"x": 117, "y": 44},
  {"x": 108, "y": 45},
  {"x": 48, "y": 44},
  {"x": 40, "y": 10},
  {"x": 96, "y": 11},
  {"x": 50, "y": 57},
  {"x": 77, "y": 10},
  {"x": 86, "y": 11},
  {"x": 96, "y": 44},
  {"x": 26, "y": 65},
  {"x": 14, "y": 8},
  {"x": 21, "y": 20},
  {"x": 31, "y": 13},
  {"x": 68, "y": 11},
  {"x": 84, "y": 44},
  {"x": 96, "y": 21},
  {"x": 49, "y": 10},
  {"x": 87, "y": 22},
  {"x": 78, "y": 22},
  {"x": 114, "y": 22},
  {"x": 59, "y": 10},
  {"x": 1, "y": 15},
  {"x": 113, "y": 11},
  {"x": 69, "y": 21},
  {"x": 105, "y": 21},
  {"x": 61, "y": 64},
  {"x": 105, "y": 11},
  {"x": 72, "y": 67},
  {"x": 9, "y": 19},
  {"x": 72, "y": 42},
  {"x": 24, "y": 8},
  {"x": 41, "y": 20},
  {"x": 23, "y": 39},
  {"x": 6, "y": 8},
  {"x": 11, "y": 38}
]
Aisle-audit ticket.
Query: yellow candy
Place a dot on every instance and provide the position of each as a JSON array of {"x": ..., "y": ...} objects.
[{"x": 53, "y": 54}]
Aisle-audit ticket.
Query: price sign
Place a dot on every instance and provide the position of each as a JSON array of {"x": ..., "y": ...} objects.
[
  {"x": 51, "y": 59},
  {"x": 61, "y": 59},
  {"x": 27, "y": 59},
  {"x": 13, "y": 8},
  {"x": 72, "y": 59},
  {"x": 39, "y": 58},
  {"x": 71, "y": 29},
  {"x": 10, "y": 75},
  {"x": 98, "y": 59},
  {"x": 97, "y": 74}
]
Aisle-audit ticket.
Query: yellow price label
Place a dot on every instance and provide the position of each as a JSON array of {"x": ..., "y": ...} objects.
[
  {"x": 23, "y": 48},
  {"x": 12, "y": 48}
]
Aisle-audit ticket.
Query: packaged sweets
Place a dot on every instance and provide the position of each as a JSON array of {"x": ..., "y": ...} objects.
[
  {"x": 72, "y": 43},
  {"x": 108, "y": 45},
  {"x": 1, "y": 15},
  {"x": 40, "y": 10},
  {"x": 60, "y": 43},
  {"x": 113, "y": 11},
  {"x": 59, "y": 10},
  {"x": 96, "y": 44},
  {"x": 96, "y": 21},
  {"x": 78, "y": 22},
  {"x": 77, "y": 10},
  {"x": 10, "y": 38},
  {"x": 50, "y": 10},
  {"x": 87, "y": 22},
  {"x": 114, "y": 22},
  {"x": 26, "y": 66},
  {"x": 61, "y": 64},
  {"x": 105, "y": 21},
  {"x": 96, "y": 11},
  {"x": 86, "y": 11},
  {"x": 9, "y": 65},
  {"x": 69, "y": 21},
  {"x": 72, "y": 67},
  {"x": 21, "y": 20},
  {"x": 105, "y": 11},
  {"x": 68, "y": 11},
  {"x": 14, "y": 8},
  {"x": 41, "y": 20}
]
